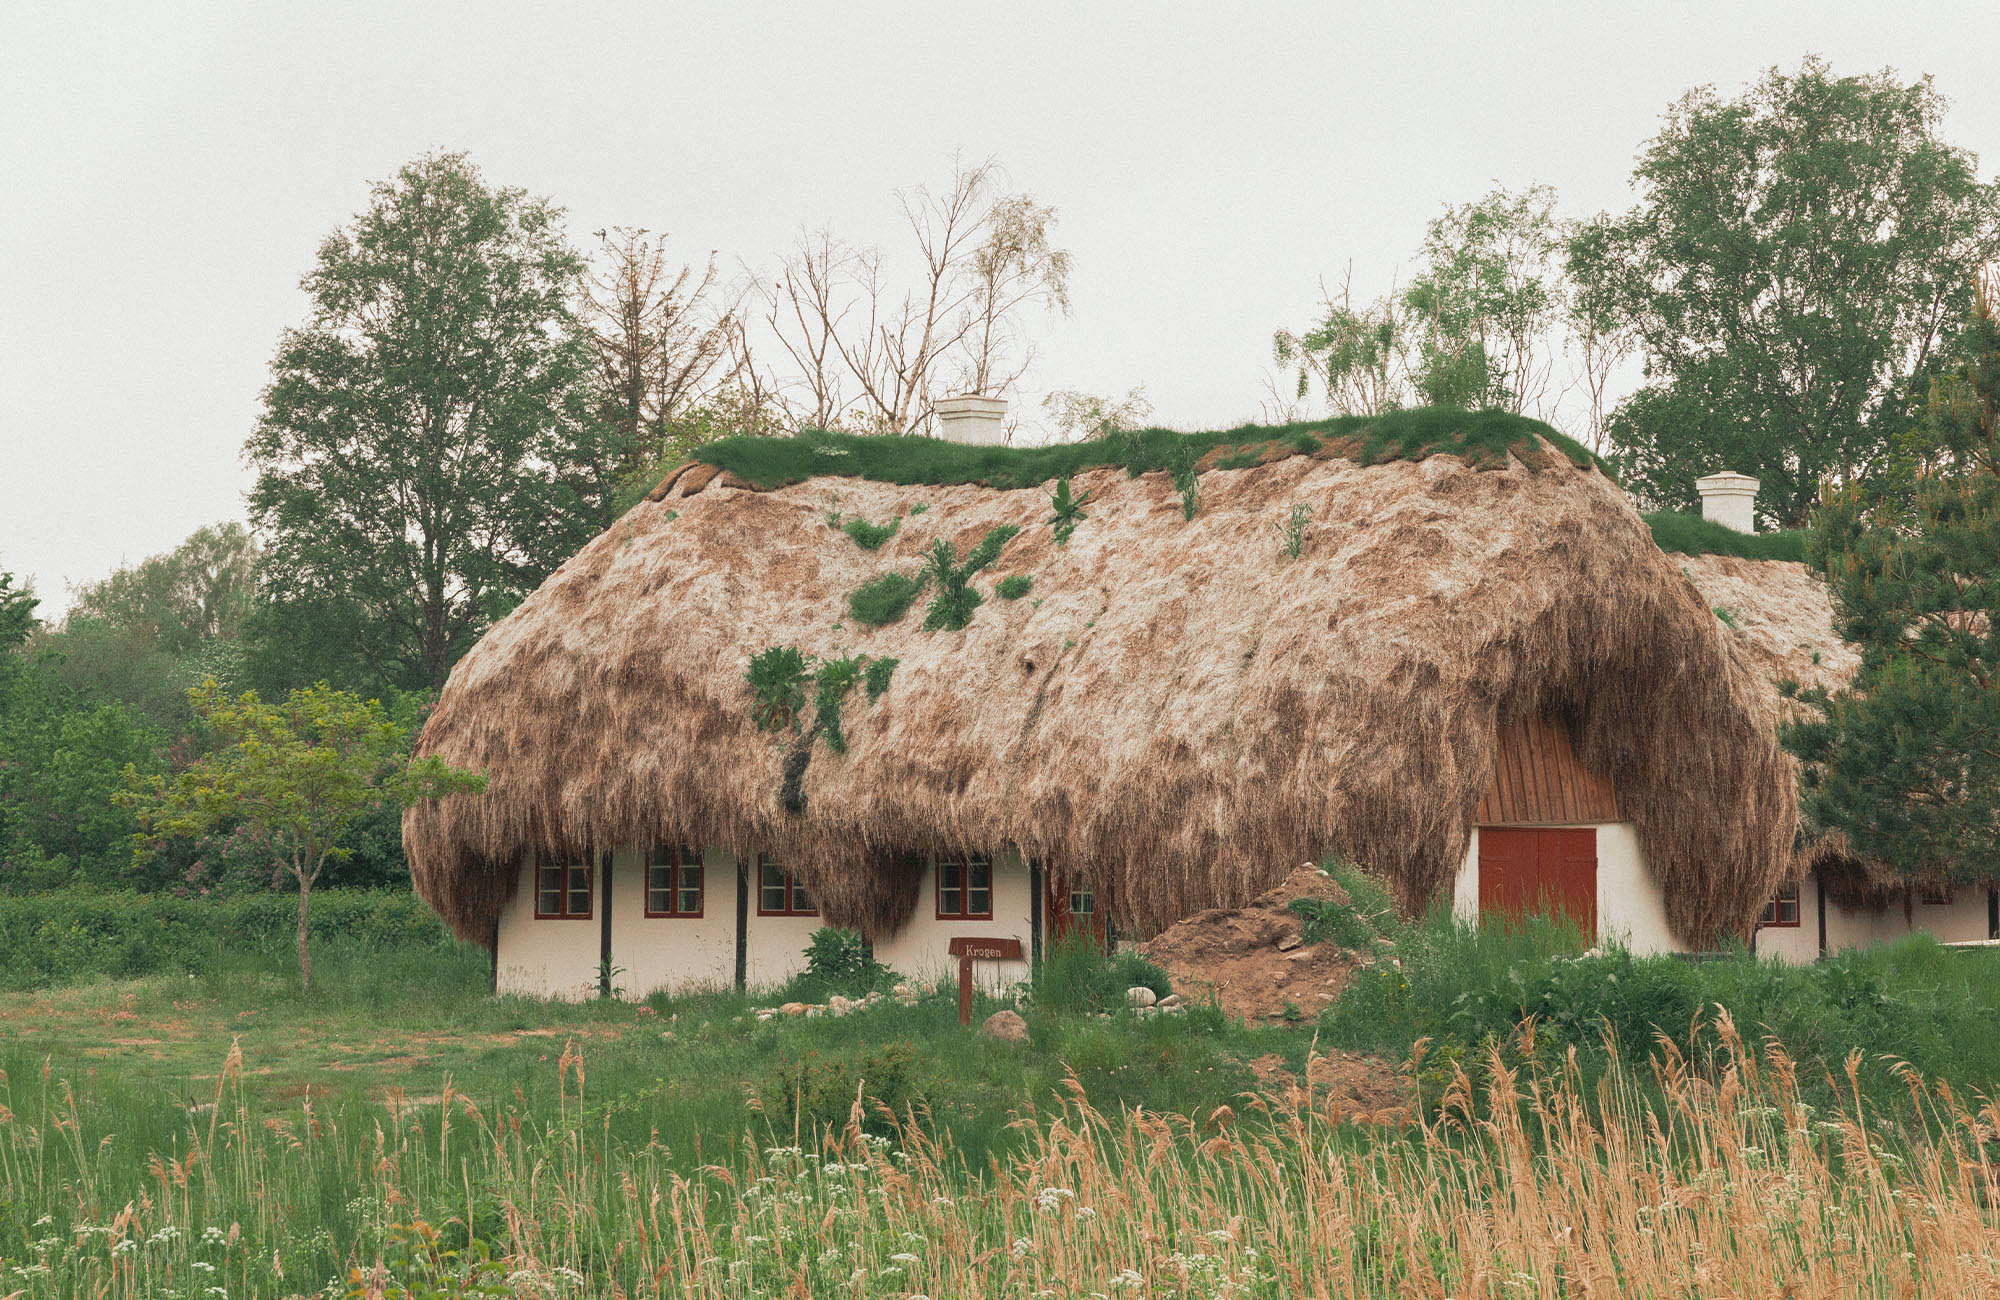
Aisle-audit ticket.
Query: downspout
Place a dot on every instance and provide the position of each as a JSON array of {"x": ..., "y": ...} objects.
[
  {"x": 1819, "y": 895},
  {"x": 742, "y": 924},
  {"x": 1035, "y": 920},
  {"x": 1992, "y": 912},
  {"x": 604, "y": 936}
]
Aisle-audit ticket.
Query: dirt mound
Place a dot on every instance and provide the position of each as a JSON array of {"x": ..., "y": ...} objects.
[
  {"x": 1344, "y": 1085},
  {"x": 1254, "y": 959}
]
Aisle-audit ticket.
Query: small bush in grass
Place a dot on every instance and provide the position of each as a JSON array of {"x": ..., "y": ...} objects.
[
  {"x": 817, "y": 1092},
  {"x": 837, "y": 961},
  {"x": 869, "y": 536},
  {"x": 1014, "y": 586},
  {"x": 1077, "y": 975},
  {"x": 881, "y": 601}
]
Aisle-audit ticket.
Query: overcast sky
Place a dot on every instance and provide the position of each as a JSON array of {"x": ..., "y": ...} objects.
[{"x": 167, "y": 172}]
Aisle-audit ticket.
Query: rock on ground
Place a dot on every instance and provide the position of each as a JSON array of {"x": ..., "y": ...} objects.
[
  {"x": 1006, "y": 1026},
  {"x": 1254, "y": 959}
]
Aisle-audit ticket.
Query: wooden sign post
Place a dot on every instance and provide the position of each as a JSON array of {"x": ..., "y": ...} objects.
[{"x": 968, "y": 951}]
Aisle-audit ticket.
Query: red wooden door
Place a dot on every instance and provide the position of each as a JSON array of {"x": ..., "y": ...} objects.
[
  {"x": 1550, "y": 870},
  {"x": 1073, "y": 909}
]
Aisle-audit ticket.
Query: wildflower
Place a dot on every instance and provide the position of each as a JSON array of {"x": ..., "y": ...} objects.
[
  {"x": 904, "y": 1257},
  {"x": 1127, "y": 1280},
  {"x": 1050, "y": 1197},
  {"x": 1084, "y": 1214},
  {"x": 1021, "y": 1247}
]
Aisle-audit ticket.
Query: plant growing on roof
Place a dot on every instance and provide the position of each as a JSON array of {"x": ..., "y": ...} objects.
[
  {"x": 1293, "y": 530},
  {"x": 869, "y": 536},
  {"x": 833, "y": 679},
  {"x": 1066, "y": 510},
  {"x": 1186, "y": 479},
  {"x": 876, "y": 676},
  {"x": 1013, "y": 586},
  {"x": 777, "y": 677},
  {"x": 884, "y": 599},
  {"x": 952, "y": 607}
]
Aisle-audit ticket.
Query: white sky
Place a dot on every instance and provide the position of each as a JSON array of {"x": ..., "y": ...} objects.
[{"x": 167, "y": 172}]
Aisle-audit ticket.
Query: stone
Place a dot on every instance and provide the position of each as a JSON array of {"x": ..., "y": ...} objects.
[
  {"x": 902, "y": 991},
  {"x": 839, "y": 1005},
  {"x": 1289, "y": 942},
  {"x": 1172, "y": 1000},
  {"x": 792, "y": 1009},
  {"x": 1005, "y": 1027},
  {"x": 1140, "y": 996}
]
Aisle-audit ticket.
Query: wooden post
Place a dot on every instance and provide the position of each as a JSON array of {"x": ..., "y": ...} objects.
[{"x": 968, "y": 951}]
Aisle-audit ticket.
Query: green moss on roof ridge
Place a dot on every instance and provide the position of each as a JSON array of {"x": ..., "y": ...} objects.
[
  {"x": 1481, "y": 438},
  {"x": 1693, "y": 535}
]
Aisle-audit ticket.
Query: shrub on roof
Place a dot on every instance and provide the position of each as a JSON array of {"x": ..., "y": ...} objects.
[
  {"x": 870, "y": 536},
  {"x": 881, "y": 601}
]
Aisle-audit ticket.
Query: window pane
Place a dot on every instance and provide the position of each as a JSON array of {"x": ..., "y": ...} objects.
[
  {"x": 948, "y": 903},
  {"x": 948, "y": 873},
  {"x": 1081, "y": 902},
  {"x": 979, "y": 903},
  {"x": 801, "y": 900},
  {"x": 982, "y": 873},
  {"x": 549, "y": 902},
  {"x": 690, "y": 901}
]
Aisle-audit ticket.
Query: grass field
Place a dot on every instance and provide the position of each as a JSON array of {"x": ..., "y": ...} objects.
[{"x": 219, "y": 1134}]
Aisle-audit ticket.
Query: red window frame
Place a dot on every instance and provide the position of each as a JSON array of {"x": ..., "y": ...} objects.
[
  {"x": 959, "y": 887},
  {"x": 796, "y": 899},
  {"x": 567, "y": 872},
  {"x": 682, "y": 865},
  {"x": 1783, "y": 903}
]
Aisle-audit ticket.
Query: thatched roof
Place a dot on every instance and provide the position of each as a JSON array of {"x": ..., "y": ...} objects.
[{"x": 1178, "y": 712}]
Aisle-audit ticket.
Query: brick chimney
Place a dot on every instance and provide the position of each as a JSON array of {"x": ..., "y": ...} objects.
[
  {"x": 970, "y": 418},
  {"x": 1730, "y": 499}
]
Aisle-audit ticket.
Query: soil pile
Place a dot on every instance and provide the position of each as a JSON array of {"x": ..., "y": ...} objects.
[
  {"x": 1343, "y": 1085},
  {"x": 1254, "y": 960}
]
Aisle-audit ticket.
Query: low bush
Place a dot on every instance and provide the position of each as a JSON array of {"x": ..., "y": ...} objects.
[
  {"x": 1014, "y": 586},
  {"x": 818, "y": 1091},
  {"x": 69, "y": 935},
  {"x": 1077, "y": 975},
  {"x": 837, "y": 961}
]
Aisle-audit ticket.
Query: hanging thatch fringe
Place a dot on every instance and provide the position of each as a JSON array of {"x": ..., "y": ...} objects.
[{"x": 1181, "y": 714}]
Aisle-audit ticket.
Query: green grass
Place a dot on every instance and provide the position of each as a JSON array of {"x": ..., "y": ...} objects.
[
  {"x": 1693, "y": 535},
  {"x": 867, "y": 536},
  {"x": 1481, "y": 437}
]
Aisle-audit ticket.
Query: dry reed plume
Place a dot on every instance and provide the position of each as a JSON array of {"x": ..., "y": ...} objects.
[{"x": 1708, "y": 1177}]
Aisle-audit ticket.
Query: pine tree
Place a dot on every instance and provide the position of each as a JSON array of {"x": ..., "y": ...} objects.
[{"x": 1907, "y": 761}]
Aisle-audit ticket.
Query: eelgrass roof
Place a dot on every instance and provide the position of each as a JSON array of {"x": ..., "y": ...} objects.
[{"x": 1179, "y": 714}]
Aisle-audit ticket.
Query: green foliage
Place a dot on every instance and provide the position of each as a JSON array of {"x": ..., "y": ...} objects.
[
  {"x": 1077, "y": 976},
  {"x": 1187, "y": 480},
  {"x": 876, "y": 676},
  {"x": 837, "y": 961},
  {"x": 869, "y": 536},
  {"x": 1686, "y": 534},
  {"x": 816, "y": 1092},
  {"x": 1014, "y": 586},
  {"x": 1292, "y": 531},
  {"x": 417, "y": 1264},
  {"x": 1368, "y": 914},
  {"x": 427, "y": 451},
  {"x": 777, "y": 677},
  {"x": 63, "y": 936},
  {"x": 300, "y": 774},
  {"x": 17, "y": 613},
  {"x": 1481, "y": 437},
  {"x": 199, "y": 592},
  {"x": 884, "y": 599},
  {"x": 1799, "y": 256},
  {"x": 952, "y": 607},
  {"x": 832, "y": 680},
  {"x": 1905, "y": 761}
]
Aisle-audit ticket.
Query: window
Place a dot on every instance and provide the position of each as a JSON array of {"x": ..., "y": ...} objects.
[
  {"x": 674, "y": 881},
  {"x": 1934, "y": 894},
  {"x": 562, "y": 889},
  {"x": 965, "y": 888},
  {"x": 780, "y": 895},
  {"x": 1082, "y": 902},
  {"x": 1783, "y": 909}
]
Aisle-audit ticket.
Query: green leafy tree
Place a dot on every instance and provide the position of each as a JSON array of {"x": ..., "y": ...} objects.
[
  {"x": 1800, "y": 252},
  {"x": 17, "y": 613},
  {"x": 1907, "y": 761},
  {"x": 299, "y": 775},
  {"x": 427, "y": 452}
]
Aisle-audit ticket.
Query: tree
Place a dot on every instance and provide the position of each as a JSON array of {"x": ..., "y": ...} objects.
[
  {"x": 1798, "y": 255},
  {"x": 1358, "y": 356},
  {"x": 1078, "y": 417},
  {"x": 1907, "y": 761},
  {"x": 427, "y": 452},
  {"x": 17, "y": 613},
  {"x": 1486, "y": 300},
  {"x": 298, "y": 775},
  {"x": 983, "y": 259},
  {"x": 663, "y": 343},
  {"x": 202, "y": 590}
]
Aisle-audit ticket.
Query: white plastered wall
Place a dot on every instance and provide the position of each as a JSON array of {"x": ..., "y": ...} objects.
[
  {"x": 1631, "y": 909},
  {"x": 921, "y": 948},
  {"x": 1962, "y": 919},
  {"x": 545, "y": 958},
  {"x": 675, "y": 953}
]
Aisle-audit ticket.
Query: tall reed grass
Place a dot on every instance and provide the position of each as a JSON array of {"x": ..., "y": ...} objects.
[{"x": 1705, "y": 1174}]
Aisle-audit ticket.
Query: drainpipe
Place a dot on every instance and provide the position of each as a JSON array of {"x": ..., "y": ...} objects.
[{"x": 1819, "y": 895}]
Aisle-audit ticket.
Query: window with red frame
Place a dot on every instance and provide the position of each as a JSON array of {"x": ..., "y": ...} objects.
[
  {"x": 562, "y": 889},
  {"x": 1783, "y": 909},
  {"x": 780, "y": 895},
  {"x": 965, "y": 888},
  {"x": 675, "y": 881}
]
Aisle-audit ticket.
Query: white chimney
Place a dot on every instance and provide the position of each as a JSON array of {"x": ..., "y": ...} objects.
[
  {"x": 970, "y": 418},
  {"x": 1729, "y": 499}
]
